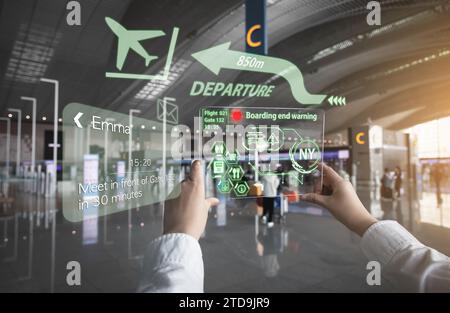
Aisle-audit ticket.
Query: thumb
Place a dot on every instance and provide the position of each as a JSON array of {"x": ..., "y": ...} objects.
[
  {"x": 212, "y": 202},
  {"x": 315, "y": 198}
]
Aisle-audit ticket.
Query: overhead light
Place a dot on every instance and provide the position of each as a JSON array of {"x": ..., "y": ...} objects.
[
  {"x": 368, "y": 35},
  {"x": 27, "y": 117},
  {"x": 31, "y": 53},
  {"x": 9, "y": 115},
  {"x": 405, "y": 66},
  {"x": 44, "y": 118},
  {"x": 142, "y": 126},
  {"x": 60, "y": 120}
]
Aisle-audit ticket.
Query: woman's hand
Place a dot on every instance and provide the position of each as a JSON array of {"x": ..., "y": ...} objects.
[
  {"x": 343, "y": 202},
  {"x": 188, "y": 212}
]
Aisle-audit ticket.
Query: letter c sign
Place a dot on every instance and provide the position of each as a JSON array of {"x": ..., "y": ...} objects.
[
  {"x": 360, "y": 138},
  {"x": 249, "y": 39}
]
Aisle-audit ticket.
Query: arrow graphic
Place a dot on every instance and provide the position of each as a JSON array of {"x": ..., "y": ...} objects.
[
  {"x": 335, "y": 100},
  {"x": 77, "y": 118},
  {"x": 221, "y": 56}
]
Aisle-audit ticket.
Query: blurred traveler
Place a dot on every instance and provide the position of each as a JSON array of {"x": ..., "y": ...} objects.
[
  {"x": 387, "y": 185},
  {"x": 398, "y": 181},
  {"x": 270, "y": 192}
]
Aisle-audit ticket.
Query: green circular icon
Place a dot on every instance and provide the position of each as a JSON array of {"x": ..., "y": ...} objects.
[
  {"x": 241, "y": 189},
  {"x": 308, "y": 153}
]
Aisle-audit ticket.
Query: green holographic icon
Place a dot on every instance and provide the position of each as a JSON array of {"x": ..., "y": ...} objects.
[
  {"x": 241, "y": 189},
  {"x": 219, "y": 148},
  {"x": 308, "y": 151},
  {"x": 232, "y": 157},
  {"x": 130, "y": 40},
  {"x": 224, "y": 185},
  {"x": 235, "y": 173},
  {"x": 218, "y": 167}
]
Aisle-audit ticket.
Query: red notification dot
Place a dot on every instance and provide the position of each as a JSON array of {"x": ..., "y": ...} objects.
[{"x": 236, "y": 115}]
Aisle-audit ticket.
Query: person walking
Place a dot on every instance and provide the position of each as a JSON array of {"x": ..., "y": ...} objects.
[{"x": 270, "y": 188}]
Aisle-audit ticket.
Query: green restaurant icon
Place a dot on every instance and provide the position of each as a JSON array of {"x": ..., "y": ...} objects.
[
  {"x": 130, "y": 40},
  {"x": 241, "y": 189},
  {"x": 235, "y": 173}
]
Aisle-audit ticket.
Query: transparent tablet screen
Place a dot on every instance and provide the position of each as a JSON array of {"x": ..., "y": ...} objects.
[{"x": 252, "y": 152}]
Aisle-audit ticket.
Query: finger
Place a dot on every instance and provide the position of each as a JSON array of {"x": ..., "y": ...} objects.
[
  {"x": 196, "y": 174},
  {"x": 330, "y": 177},
  {"x": 212, "y": 202},
  {"x": 176, "y": 191},
  {"x": 314, "y": 198}
]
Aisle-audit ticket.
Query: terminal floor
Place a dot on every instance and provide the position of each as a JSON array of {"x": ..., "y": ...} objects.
[{"x": 303, "y": 253}]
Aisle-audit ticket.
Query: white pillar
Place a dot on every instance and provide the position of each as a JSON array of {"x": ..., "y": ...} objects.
[
  {"x": 19, "y": 137},
  {"x": 55, "y": 132},
  {"x": 8, "y": 138},
  {"x": 33, "y": 133}
]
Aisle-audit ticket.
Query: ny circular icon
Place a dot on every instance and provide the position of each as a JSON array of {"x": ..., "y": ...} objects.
[{"x": 305, "y": 156}]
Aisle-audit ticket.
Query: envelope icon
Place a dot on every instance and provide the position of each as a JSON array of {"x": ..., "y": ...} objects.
[{"x": 168, "y": 109}]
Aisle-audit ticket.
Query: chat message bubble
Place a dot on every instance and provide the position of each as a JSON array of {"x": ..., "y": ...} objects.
[{"x": 114, "y": 162}]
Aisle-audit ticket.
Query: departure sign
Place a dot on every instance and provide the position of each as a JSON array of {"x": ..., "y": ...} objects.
[{"x": 244, "y": 146}]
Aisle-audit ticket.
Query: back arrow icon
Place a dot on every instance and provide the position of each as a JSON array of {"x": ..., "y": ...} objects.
[{"x": 76, "y": 119}]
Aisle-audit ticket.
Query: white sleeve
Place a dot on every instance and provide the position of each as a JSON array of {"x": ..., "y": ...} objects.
[
  {"x": 173, "y": 263},
  {"x": 405, "y": 262}
]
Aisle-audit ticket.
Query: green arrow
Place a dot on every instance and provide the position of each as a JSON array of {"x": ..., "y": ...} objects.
[
  {"x": 221, "y": 56},
  {"x": 330, "y": 100}
]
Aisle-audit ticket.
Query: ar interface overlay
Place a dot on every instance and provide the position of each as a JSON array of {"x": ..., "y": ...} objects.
[
  {"x": 114, "y": 162},
  {"x": 252, "y": 152}
]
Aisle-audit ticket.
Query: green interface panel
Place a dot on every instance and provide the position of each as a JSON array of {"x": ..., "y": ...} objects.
[
  {"x": 114, "y": 162},
  {"x": 252, "y": 152}
]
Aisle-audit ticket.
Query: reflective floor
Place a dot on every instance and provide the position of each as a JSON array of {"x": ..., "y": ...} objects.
[
  {"x": 433, "y": 213},
  {"x": 303, "y": 252}
]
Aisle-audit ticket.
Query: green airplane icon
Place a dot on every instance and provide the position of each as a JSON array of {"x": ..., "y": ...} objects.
[{"x": 129, "y": 39}]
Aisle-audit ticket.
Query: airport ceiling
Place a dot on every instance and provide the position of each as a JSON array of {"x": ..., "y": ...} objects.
[{"x": 396, "y": 74}]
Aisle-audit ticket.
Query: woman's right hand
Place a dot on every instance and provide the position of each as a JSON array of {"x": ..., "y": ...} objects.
[{"x": 343, "y": 202}]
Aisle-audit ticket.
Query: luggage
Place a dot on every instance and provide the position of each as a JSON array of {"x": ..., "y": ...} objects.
[
  {"x": 255, "y": 190},
  {"x": 291, "y": 196}
]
